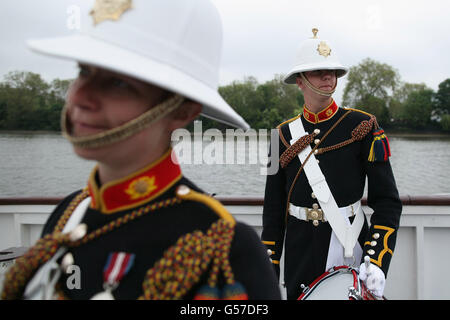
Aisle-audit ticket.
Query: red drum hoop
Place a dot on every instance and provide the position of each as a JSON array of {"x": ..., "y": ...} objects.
[{"x": 338, "y": 283}]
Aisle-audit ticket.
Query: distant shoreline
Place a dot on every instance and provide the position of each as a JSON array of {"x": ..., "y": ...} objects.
[
  {"x": 397, "y": 134},
  {"x": 394, "y": 134},
  {"x": 29, "y": 132}
]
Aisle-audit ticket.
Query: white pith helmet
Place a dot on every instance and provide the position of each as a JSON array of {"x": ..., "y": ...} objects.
[
  {"x": 174, "y": 44},
  {"x": 315, "y": 54}
]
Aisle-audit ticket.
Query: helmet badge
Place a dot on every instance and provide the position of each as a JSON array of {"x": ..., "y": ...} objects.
[
  {"x": 322, "y": 48},
  {"x": 109, "y": 10}
]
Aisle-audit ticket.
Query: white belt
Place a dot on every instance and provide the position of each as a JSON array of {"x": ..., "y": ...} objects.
[
  {"x": 316, "y": 214},
  {"x": 42, "y": 284}
]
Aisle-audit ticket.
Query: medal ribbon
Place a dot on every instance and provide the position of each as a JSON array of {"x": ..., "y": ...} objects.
[{"x": 117, "y": 266}]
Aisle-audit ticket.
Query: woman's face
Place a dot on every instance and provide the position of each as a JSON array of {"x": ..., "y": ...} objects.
[{"x": 100, "y": 100}]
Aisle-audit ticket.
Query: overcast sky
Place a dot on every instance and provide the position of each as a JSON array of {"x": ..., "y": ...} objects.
[{"x": 261, "y": 36}]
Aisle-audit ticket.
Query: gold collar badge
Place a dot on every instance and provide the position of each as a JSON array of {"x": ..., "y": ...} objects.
[
  {"x": 141, "y": 187},
  {"x": 109, "y": 9}
]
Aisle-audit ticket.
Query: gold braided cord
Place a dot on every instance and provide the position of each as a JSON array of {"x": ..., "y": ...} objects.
[
  {"x": 317, "y": 90},
  {"x": 124, "y": 131},
  {"x": 171, "y": 277},
  {"x": 357, "y": 134},
  {"x": 25, "y": 267},
  {"x": 184, "y": 263},
  {"x": 292, "y": 151}
]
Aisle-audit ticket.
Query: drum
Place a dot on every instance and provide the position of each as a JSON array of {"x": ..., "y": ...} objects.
[{"x": 339, "y": 283}]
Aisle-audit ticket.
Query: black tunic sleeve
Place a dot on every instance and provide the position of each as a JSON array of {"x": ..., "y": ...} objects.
[
  {"x": 274, "y": 211},
  {"x": 250, "y": 265},
  {"x": 384, "y": 200}
]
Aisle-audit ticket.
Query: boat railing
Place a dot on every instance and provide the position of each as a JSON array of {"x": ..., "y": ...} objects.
[
  {"x": 415, "y": 200},
  {"x": 416, "y": 267}
]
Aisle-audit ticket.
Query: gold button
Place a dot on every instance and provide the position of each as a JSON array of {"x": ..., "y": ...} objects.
[
  {"x": 316, "y": 131},
  {"x": 316, "y": 151},
  {"x": 371, "y": 252},
  {"x": 315, "y": 206},
  {"x": 78, "y": 233},
  {"x": 314, "y": 215},
  {"x": 315, "y": 223},
  {"x": 376, "y": 236},
  {"x": 313, "y": 195},
  {"x": 183, "y": 190},
  {"x": 141, "y": 186},
  {"x": 373, "y": 243},
  {"x": 67, "y": 261},
  {"x": 317, "y": 141}
]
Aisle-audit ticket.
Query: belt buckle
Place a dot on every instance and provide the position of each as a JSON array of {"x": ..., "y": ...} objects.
[{"x": 314, "y": 215}]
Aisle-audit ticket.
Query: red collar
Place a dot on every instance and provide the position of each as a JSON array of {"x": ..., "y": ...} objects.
[
  {"x": 323, "y": 115},
  {"x": 139, "y": 187}
]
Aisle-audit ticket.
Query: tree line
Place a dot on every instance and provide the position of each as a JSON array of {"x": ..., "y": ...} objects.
[{"x": 27, "y": 102}]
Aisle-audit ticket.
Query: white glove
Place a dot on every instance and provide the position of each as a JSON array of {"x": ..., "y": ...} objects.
[{"x": 373, "y": 277}]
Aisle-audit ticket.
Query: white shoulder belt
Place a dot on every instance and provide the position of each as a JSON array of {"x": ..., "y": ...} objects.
[
  {"x": 42, "y": 285},
  {"x": 346, "y": 233}
]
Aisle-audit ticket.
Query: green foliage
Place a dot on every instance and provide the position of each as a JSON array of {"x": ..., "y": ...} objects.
[
  {"x": 376, "y": 88},
  {"x": 418, "y": 108},
  {"x": 369, "y": 79},
  {"x": 27, "y": 102},
  {"x": 445, "y": 122},
  {"x": 377, "y": 107},
  {"x": 412, "y": 106},
  {"x": 443, "y": 97},
  {"x": 263, "y": 106}
]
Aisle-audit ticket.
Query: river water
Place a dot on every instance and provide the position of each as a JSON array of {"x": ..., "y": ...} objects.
[{"x": 43, "y": 165}]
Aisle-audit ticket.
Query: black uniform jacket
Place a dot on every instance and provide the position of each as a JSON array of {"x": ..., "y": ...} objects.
[
  {"x": 149, "y": 236},
  {"x": 343, "y": 157}
]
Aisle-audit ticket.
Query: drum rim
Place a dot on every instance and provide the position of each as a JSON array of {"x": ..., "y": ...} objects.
[{"x": 327, "y": 274}]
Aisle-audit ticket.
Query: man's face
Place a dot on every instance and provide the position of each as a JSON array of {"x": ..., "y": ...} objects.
[
  {"x": 322, "y": 79},
  {"x": 99, "y": 100}
]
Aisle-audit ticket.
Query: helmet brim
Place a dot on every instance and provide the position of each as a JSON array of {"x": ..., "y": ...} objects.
[
  {"x": 291, "y": 77},
  {"x": 88, "y": 50}
]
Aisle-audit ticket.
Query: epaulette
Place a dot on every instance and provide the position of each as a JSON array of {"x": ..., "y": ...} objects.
[
  {"x": 379, "y": 150},
  {"x": 287, "y": 121},
  {"x": 203, "y": 250},
  {"x": 192, "y": 256},
  {"x": 280, "y": 133},
  {"x": 185, "y": 193},
  {"x": 359, "y": 110}
]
